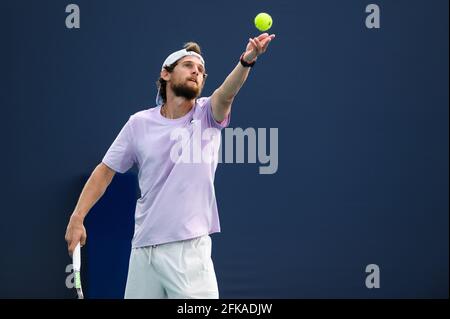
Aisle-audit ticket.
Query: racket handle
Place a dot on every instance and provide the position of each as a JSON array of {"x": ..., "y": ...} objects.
[{"x": 76, "y": 258}]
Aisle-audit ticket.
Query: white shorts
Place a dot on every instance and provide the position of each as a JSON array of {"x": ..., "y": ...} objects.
[{"x": 177, "y": 270}]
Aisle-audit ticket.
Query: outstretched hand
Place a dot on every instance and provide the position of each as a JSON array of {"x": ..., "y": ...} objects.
[{"x": 257, "y": 46}]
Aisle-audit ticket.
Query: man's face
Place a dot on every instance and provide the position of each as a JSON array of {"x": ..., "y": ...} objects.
[{"x": 187, "y": 78}]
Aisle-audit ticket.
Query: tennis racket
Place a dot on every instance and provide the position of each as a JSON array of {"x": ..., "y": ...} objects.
[{"x": 76, "y": 262}]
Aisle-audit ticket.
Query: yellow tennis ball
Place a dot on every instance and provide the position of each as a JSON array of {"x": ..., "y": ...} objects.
[{"x": 263, "y": 21}]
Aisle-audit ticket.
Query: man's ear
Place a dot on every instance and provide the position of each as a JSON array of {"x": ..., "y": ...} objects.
[{"x": 165, "y": 75}]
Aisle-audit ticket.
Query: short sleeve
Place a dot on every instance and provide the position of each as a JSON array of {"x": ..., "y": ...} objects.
[
  {"x": 120, "y": 156},
  {"x": 209, "y": 116}
]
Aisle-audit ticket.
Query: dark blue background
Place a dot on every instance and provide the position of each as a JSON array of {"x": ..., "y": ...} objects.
[{"x": 363, "y": 142}]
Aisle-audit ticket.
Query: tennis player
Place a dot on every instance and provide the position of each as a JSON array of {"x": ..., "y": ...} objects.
[{"x": 177, "y": 210}]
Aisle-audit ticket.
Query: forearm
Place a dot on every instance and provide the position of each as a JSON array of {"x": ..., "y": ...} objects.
[
  {"x": 233, "y": 83},
  {"x": 93, "y": 190},
  {"x": 223, "y": 97}
]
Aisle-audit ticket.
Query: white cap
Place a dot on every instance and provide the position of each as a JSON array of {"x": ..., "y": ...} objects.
[{"x": 171, "y": 59}]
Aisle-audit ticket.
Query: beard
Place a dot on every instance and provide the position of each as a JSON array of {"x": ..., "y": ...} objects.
[{"x": 186, "y": 91}]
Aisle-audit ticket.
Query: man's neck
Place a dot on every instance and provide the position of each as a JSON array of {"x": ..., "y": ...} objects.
[{"x": 176, "y": 107}]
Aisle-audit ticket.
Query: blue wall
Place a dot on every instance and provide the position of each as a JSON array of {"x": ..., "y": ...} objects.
[{"x": 363, "y": 140}]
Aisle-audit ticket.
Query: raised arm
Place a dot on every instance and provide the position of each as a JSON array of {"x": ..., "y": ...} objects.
[{"x": 223, "y": 97}]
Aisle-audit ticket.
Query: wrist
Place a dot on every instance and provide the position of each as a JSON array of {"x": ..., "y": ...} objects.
[
  {"x": 246, "y": 63},
  {"x": 77, "y": 217}
]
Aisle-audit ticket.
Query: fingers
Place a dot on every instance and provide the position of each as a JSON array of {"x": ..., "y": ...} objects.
[
  {"x": 261, "y": 42},
  {"x": 68, "y": 238},
  {"x": 262, "y": 36},
  {"x": 256, "y": 45},
  {"x": 75, "y": 233},
  {"x": 266, "y": 41},
  {"x": 74, "y": 240},
  {"x": 83, "y": 239},
  {"x": 72, "y": 246}
]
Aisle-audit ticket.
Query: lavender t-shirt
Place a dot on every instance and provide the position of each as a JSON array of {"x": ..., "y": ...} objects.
[{"x": 177, "y": 160}]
